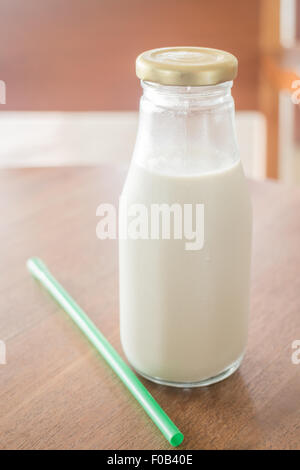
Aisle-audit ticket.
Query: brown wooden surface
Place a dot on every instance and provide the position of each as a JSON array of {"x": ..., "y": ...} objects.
[
  {"x": 55, "y": 391},
  {"x": 80, "y": 54}
]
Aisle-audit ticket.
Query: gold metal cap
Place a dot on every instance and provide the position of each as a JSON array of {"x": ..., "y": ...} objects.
[{"x": 187, "y": 66}]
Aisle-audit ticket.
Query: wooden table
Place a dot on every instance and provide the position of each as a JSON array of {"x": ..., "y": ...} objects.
[{"x": 55, "y": 391}]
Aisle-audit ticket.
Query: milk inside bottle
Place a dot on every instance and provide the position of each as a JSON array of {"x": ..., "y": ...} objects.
[{"x": 185, "y": 213}]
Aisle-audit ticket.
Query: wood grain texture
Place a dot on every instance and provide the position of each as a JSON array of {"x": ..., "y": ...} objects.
[
  {"x": 55, "y": 391},
  {"x": 80, "y": 54}
]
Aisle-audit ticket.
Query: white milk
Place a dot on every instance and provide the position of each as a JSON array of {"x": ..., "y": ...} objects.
[{"x": 184, "y": 313}]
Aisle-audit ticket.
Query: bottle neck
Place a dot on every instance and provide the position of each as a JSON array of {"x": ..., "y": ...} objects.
[
  {"x": 186, "y": 129},
  {"x": 187, "y": 96}
]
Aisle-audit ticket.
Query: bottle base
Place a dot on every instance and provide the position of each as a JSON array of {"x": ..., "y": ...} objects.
[{"x": 202, "y": 383}]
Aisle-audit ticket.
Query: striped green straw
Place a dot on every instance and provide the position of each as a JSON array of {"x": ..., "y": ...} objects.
[{"x": 39, "y": 270}]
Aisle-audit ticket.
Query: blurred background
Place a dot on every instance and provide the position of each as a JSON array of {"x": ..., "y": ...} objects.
[{"x": 71, "y": 94}]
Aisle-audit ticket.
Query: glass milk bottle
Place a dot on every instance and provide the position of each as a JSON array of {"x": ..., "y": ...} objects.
[{"x": 185, "y": 223}]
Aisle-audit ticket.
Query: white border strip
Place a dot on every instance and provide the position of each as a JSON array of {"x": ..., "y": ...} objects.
[{"x": 287, "y": 23}]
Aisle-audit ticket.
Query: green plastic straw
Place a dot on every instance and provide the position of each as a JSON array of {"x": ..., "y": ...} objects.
[{"x": 39, "y": 270}]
